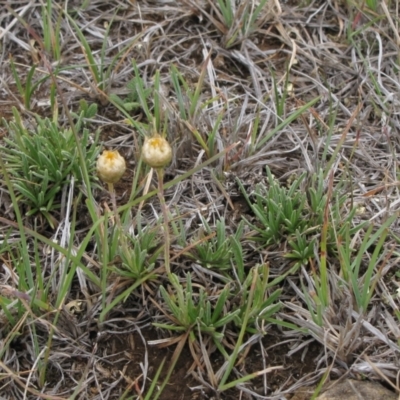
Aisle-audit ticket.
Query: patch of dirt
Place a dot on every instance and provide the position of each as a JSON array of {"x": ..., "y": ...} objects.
[
  {"x": 126, "y": 356},
  {"x": 134, "y": 352}
]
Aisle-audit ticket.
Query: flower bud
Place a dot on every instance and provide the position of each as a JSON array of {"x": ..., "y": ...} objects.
[
  {"x": 110, "y": 166},
  {"x": 156, "y": 152}
]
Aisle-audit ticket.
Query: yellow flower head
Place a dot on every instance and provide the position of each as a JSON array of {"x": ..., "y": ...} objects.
[
  {"x": 156, "y": 152},
  {"x": 110, "y": 166}
]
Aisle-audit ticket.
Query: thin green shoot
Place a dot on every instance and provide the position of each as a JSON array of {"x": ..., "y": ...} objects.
[
  {"x": 211, "y": 143},
  {"x": 26, "y": 90},
  {"x": 21, "y": 227},
  {"x": 174, "y": 360},
  {"x": 193, "y": 98},
  {"x": 99, "y": 72},
  {"x": 153, "y": 385},
  {"x": 342, "y": 139},
  {"x": 227, "y": 10},
  {"x": 280, "y": 98},
  {"x": 233, "y": 357},
  {"x": 142, "y": 94},
  {"x": 51, "y": 32},
  {"x": 352, "y": 269},
  {"x": 239, "y": 22},
  {"x": 287, "y": 121},
  {"x": 177, "y": 80},
  {"x": 323, "y": 286}
]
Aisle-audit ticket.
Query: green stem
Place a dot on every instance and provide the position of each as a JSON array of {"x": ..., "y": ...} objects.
[{"x": 232, "y": 359}]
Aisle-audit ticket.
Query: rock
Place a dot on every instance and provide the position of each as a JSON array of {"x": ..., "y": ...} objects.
[
  {"x": 350, "y": 389},
  {"x": 304, "y": 393}
]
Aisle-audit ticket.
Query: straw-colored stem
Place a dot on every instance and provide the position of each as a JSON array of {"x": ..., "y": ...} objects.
[
  {"x": 117, "y": 218},
  {"x": 122, "y": 241},
  {"x": 164, "y": 209},
  {"x": 111, "y": 189}
]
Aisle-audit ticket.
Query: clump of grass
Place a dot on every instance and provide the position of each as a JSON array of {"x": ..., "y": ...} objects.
[
  {"x": 216, "y": 251},
  {"x": 42, "y": 160},
  {"x": 239, "y": 21},
  {"x": 295, "y": 214}
]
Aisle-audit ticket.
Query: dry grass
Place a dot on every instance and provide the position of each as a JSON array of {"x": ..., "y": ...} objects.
[{"x": 339, "y": 51}]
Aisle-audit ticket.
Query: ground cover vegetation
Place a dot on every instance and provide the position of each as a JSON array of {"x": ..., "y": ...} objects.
[{"x": 258, "y": 255}]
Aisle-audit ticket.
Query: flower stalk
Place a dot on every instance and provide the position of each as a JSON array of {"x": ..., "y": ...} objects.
[
  {"x": 110, "y": 168},
  {"x": 157, "y": 153},
  {"x": 164, "y": 209}
]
